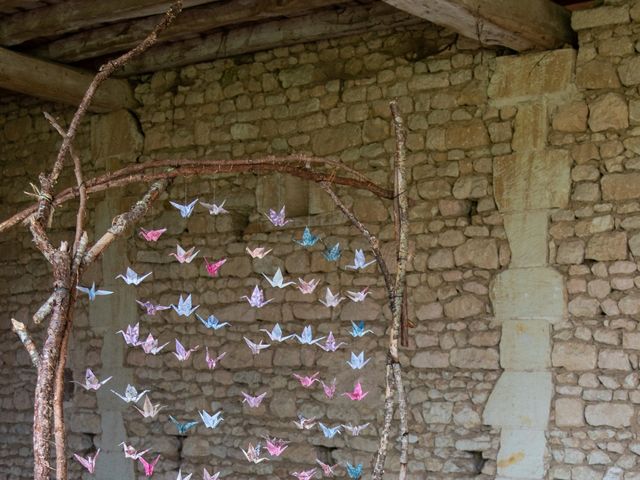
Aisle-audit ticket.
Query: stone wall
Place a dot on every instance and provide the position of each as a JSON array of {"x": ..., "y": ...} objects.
[{"x": 522, "y": 255}]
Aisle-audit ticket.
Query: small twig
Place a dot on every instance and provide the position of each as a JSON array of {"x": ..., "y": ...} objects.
[
  {"x": 45, "y": 309},
  {"x": 21, "y": 330}
]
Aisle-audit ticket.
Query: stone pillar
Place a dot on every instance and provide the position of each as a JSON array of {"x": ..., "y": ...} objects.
[
  {"x": 115, "y": 141},
  {"x": 529, "y": 296}
]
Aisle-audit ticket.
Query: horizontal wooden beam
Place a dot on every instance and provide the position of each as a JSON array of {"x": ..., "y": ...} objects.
[
  {"x": 74, "y": 15},
  {"x": 59, "y": 83},
  {"x": 122, "y": 36},
  {"x": 267, "y": 35},
  {"x": 516, "y": 24}
]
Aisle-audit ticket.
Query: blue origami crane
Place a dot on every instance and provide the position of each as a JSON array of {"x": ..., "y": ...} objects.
[
  {"x": 185, "y": 210},
  {"x": 184, "y": 307},
  {"x": 212, "y": 322},
  {"x": 276, "y": 334},
  {"x": 132, "y": 278},
  {"x": 92, "y": 292},
  {"x": 357, "y": 329},
  {"x": 357, "y": 361},
  {"x": 330, "y": 432},
  {"x": 354, "y": 471},
  {"x": 308, "y": 239},
  {"x": 211, "y": 421},
  {"x": 306, "y": 338},
  {"x": 183, "y": 427},
  {"x": 333, "y": 254}
]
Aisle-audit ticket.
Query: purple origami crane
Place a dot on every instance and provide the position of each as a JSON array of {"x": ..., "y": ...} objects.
[
  {"x": 330, "y": 344},
  {"x": 88, "y": 462},
  {"x": 257, "y": 298},
  {"x": 275, "y": 446},
  {"x": 253, "y": 402},
  {"x": 308, "y": 380},
  {"x": 212, "y": 362},
  {"x": 329, "y": 388},
  {"x": 150, "y": 345},
  {"x": 277, "y": 218},
  {"x": 91, "y": 382},
  {"x": 305, "y": 474},
  {"x": 327, "y": 470},
  {"x": 182, "y": 353},
  {"x": 151, "y": 308},
  {"x": 131, "y": 334}
]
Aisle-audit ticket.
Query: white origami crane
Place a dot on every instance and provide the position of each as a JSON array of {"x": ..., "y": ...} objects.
[
  {"x": 331, "y": 300},
  {"x": 132, "y": 278},
  {"x": 92, "y": 292},
  {"x": 185, "y": 210},
  {"x": 358, "y": 296},
  {"x": 257, "y": 298},
  {"x": 252, "y": 454},
  {"x": 277, "y": 280},
  {"x": 184, "y": 307},
  {"x": 131, "y": 394},
  {"x": 150, "y": 345},
  {"x": 131, "y": 452},
  {"x": 276, "y": 334},
  {"x": 91, "y": 382},
  {"x": 149, "y": 410},
  {"x": 359, "y": 261},
  {"x": 180, "y": 477},
  {"x": 258, "y": 252},
  {"x": 131, "y": 334},
  {"x": 307, "y": 287},
  {"x": 256, "y": 347},
  {"x": 184, "y": 256},
  {"x": 215, "y": 209},
  {"x": 211, "y": 421}
]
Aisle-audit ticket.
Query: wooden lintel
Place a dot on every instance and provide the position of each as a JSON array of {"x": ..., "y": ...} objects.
[
  {"x": 121, "y": 36},
  {"x": 516, "y": 24},
  {"x": 59, "y": 83},
  {"x": 273, "y": 34}
]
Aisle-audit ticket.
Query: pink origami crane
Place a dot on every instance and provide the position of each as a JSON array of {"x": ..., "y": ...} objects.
[
  {"x": 358, "y": 296},
  {"x": 253, "y": 402},
  {"x": 357, "y": 393},
  {"x": 131, "y": 334},
  {"x": 148, "y": 466},
  {"x": 305, "y": 474},
  {"x": 329, "y": 388},
  {"x": 253, "y": 454},
  {"x": 256, "y": 347},
  {"x": 149, "y": 410},
  {"x": 276, "y": 446},
  {"x": 131, "y": 452},
  {"x": 150, "y": 345},
  {"x": 91, "y": 382},
  {"x": 151, "y": 308},
  {"x": 208, "y": 476},
  {"x": 152, "y": 235},
  {"x": 212, "y": 362},
  {"x": 277, "y": 218},
  {"x": 307, "y": 381},
  {"x": 305, "y": 423},
  {"x": 307, "y": 287},
  {"x": 327, "y": 469},
  {"x": 258, "y": 252},
  {"x": 182, "y": 353},
  {"x": 88, "y": 462},
  {"x": 330, "y": 344},
  {"x": 257, "y": 298},
  {"x": 213, "y": 267},
  {"x": 184, "y": 256}
]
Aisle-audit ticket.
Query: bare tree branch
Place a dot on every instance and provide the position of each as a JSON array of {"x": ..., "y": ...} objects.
[{"x": 21, "y": 330}]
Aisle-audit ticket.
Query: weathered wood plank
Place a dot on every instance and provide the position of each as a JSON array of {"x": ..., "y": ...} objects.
[
  {"x": 267, "y": 35},
  {"x": 123, "y": 36},
  {"x": 517, "y": 24},
  {"x": 74, "y": 15},
  {"x": 38, "y": 78}
]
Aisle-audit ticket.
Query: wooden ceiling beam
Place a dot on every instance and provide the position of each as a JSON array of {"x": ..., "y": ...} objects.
[
  {"x": 273, "y": 34},
  {"x": 123, "y": 36},
  {"x": 516, "y": 24},
  {"x": 74, "y": 15},
  {"x": 59, "y": 83}
]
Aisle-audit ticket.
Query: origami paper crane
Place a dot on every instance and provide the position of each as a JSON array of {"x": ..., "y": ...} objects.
[
  {"x": 258, "y": 252},
  {"x": 184, "y": 256},
  {"x": 354, "y": 472},
  {"x": 308, "y": 239},
  {"x": 305, "y": 423},
  {"x": 355, "y": 430},
  {"x": 212, "y": 322},
  {"x": 149, "y": 410},
  {"x": 91, "y": 382},
  {"x": 213, "y": 267},
  {"x": 185, "y": 210},
  {"x": 275, "y": 446},
  {"x": 211, "y": 421},
  {"x": 330, "y": 432},
  {"x": 88, "y": 462},
  {"x": 277, "y": 280},
  {"x": 131, "y": 452},
  {"x": 132, "y": 278},
  {"x": 329, "y": 388},
  {"x": 306, "y": 338},
  {"x": 358, "y": 296},
  {"x": 212, "y": 362},
  {"x": 307, "y": 287},
  {"x": 215, "y": 209},
  {"x": 305, "y": 474},
  {"x": 256, "y": 347},
  {"x": 131, "y": 335},
  {"x": 253, "y": 402},
  {"x": 327, "y": 470},
  {"x": 207, "y": 476},
  {"x": 357, "y": 361},
  {"x": 275, "y": 335},
  {"x": 92, "y": 292},
  {"x": 151, "y": 308},
  {"x": 307, "y": 381},
  {"x": 357, "y": 329},
  {"x": 277, "y": 218},
  {"x": 252, "y": 454},
  {"x": 179, "y": 477},
  {"x": 150, "y": 345},
  {"x": 357, "y": 393},
  {"x": 184, "y": 307},
  {"x": 330, "y": 344},
  {"x": 183, "y": 427},
  {"x": 181, "y": 353},
  {"x": 148, "y": 466},
  {"x": 332, "y": 254},
  {"x": 152, "y": 235},
  {"x": 131, "y": 394},
  {"x": 359, "y": 261},
  {"x": 257, "y": 298},
  {"x": 331, "y": 300}
]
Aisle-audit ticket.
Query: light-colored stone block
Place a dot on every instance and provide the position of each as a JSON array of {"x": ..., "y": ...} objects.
[
  {"x": 525, "y": 345},
  {"x": 529, "y": 293},
  {"x": 529, "y": 181},
  {"x": 531, "y": 127},
  {"x": 520, "y": 400},
  {"x": 527, "y": 235},
  {"x": 522, "y": 454},
  {"x": 569, "y": 412}
]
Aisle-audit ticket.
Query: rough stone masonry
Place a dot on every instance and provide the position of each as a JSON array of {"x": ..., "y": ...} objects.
[{"x": 523, "y": 282}]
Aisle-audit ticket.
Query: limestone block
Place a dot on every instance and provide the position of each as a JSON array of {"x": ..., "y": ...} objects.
[
  {"x": 464, "y": 135},
  {"x": 525, "y": 345},
  {"x": 521, "y": 454},
  {"x": 529, "y": 181},
  {"x": 615, "y": 415},
  {"x": 597, "y": 73},
  {"x": 607, "y": 246},
  {"x": 574, "y": 356},
  {"x": 529, "y": 293},
  {"x": 582, "y": 306},
  {"x": 430, "y": 359},
  {"x": 527, "y": 235},
  {"x": 437, "y": 412},
  {"x": 610, "y": 359},
  {"x": 608, "y": 112},
  {"x": 462, "y": 306},
  {"x": 333, "y": 140},
  {"x": 441, "y": 259},
  {"x": 477, "y": 252},
  {"x": 571, "y": 118},
  {"x": 115, "y": 134},
  {"x": 472, "y": 186},
  {"x": 474, "y": 358},
  {"x": 598, "y": 17},
  {"x": 629, "y": 71},
  {"x": 530, "y": 127},
  {"x": 533, "y": 74},
  {"x": 570, "y": 252},
  {"x": 620, "y": 186},
  {"x": 430, "y": 311},
  {"x": 569, "y": 412}
]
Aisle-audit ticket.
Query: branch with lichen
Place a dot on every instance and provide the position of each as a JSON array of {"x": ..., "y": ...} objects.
[{"x": 21, "y": 330}]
